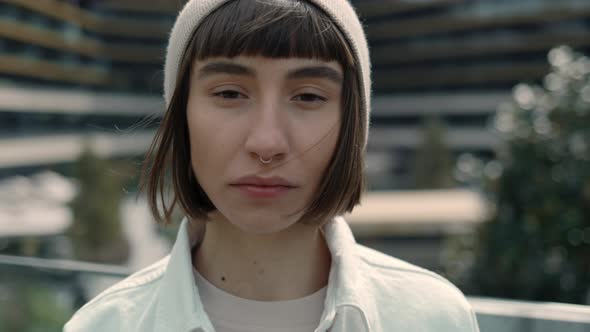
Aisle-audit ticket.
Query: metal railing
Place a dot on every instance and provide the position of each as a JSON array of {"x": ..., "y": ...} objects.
[
  {"x": 502, "y": 315},
  {"x": 493, "y": 314},
  {"x": 63, "y": 265}
]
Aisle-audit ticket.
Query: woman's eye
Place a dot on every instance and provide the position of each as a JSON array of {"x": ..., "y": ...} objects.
[
  {"x": 229, "y": 94},
  {"x": 309, "y": 97}
]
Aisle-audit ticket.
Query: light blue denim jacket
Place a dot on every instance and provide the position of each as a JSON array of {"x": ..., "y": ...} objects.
[{"x": 367, "y": 291}]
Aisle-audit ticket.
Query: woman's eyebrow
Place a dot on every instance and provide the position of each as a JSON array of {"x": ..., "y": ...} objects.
[
  {"x": 316, "y": 72},
  {"x": 213, "y": 68}
]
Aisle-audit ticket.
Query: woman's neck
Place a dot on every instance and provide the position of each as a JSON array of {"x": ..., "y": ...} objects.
[{"x": 286, "y": 265}]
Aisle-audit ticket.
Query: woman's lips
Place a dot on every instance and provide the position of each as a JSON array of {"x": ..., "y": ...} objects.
[
  {"x": 260, "y": 191},
  {"x": 263, "y": 187}
]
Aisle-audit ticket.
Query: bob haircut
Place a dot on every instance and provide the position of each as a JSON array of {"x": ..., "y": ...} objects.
[{"x": 277, "y": 29}]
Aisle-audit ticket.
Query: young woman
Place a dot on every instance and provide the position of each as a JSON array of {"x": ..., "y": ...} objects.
[{"x": 263, "y": 142}]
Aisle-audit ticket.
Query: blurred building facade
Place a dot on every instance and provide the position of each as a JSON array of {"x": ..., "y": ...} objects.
[
  {"x": 78, "y": 72},
  {"x": 457, "y": 60},
  {"x": 75, "y": 69}
]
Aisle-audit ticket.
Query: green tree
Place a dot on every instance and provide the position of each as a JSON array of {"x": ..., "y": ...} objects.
[
  {"x": 433, "y": 162},
  {"x": 537, "y": 244},
  {"x": 31, "y": 303},
  {"x": 96, "y": 231}
]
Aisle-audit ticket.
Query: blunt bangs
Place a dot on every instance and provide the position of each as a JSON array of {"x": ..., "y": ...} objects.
[{"x": 274, "y": 29}]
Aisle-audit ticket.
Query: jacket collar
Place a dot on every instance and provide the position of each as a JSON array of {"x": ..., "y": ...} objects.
[
  {"x": 179, "y": 304},
  {"x": 180, "y": 307},
  {"x": 345, "y": 277}
]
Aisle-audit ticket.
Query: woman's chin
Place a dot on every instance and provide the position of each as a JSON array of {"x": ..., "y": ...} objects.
[
  {"x": 261, "y": 226},
  {"x": 254, "y": 221}
]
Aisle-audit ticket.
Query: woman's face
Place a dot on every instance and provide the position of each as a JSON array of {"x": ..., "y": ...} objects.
[{"x": 243, "y": 109}]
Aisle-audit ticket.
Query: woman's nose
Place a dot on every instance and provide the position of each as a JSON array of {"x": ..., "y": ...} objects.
[{"x": 267, "y": 138}]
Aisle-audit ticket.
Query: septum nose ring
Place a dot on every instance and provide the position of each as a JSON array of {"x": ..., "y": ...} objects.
[{"x": 265, "y": 161}]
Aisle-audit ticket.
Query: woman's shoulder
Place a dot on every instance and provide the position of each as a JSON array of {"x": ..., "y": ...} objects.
[
  {"x": 391, "y": 266},
  {"x": 398, "y": 273},
  {"x": 111, "y": 308},
  {"x": 415, "y": 290}
]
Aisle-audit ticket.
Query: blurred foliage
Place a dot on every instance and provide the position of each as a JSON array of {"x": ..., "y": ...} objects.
[
  {"x": 170, "y": 230},
  {"x": 433, "y": 167},
  {"x": 29, "y": 304},
  {"x": 536, "y": 246},
  {"x": 96, "y": 230}
]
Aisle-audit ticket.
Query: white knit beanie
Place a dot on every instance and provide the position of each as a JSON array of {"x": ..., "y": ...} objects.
[{"x": 339, "y": 10}]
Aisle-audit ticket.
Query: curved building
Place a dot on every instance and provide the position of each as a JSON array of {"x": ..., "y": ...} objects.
[
  {"x": 78, "y": 72},
  {"x": 92, "y": 69}
]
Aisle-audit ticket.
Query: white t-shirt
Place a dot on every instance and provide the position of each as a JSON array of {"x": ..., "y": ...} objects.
[{"x": 230, "y": 313}]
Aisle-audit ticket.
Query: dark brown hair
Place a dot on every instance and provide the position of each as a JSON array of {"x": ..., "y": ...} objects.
[{"x": 278, "y": 30}]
